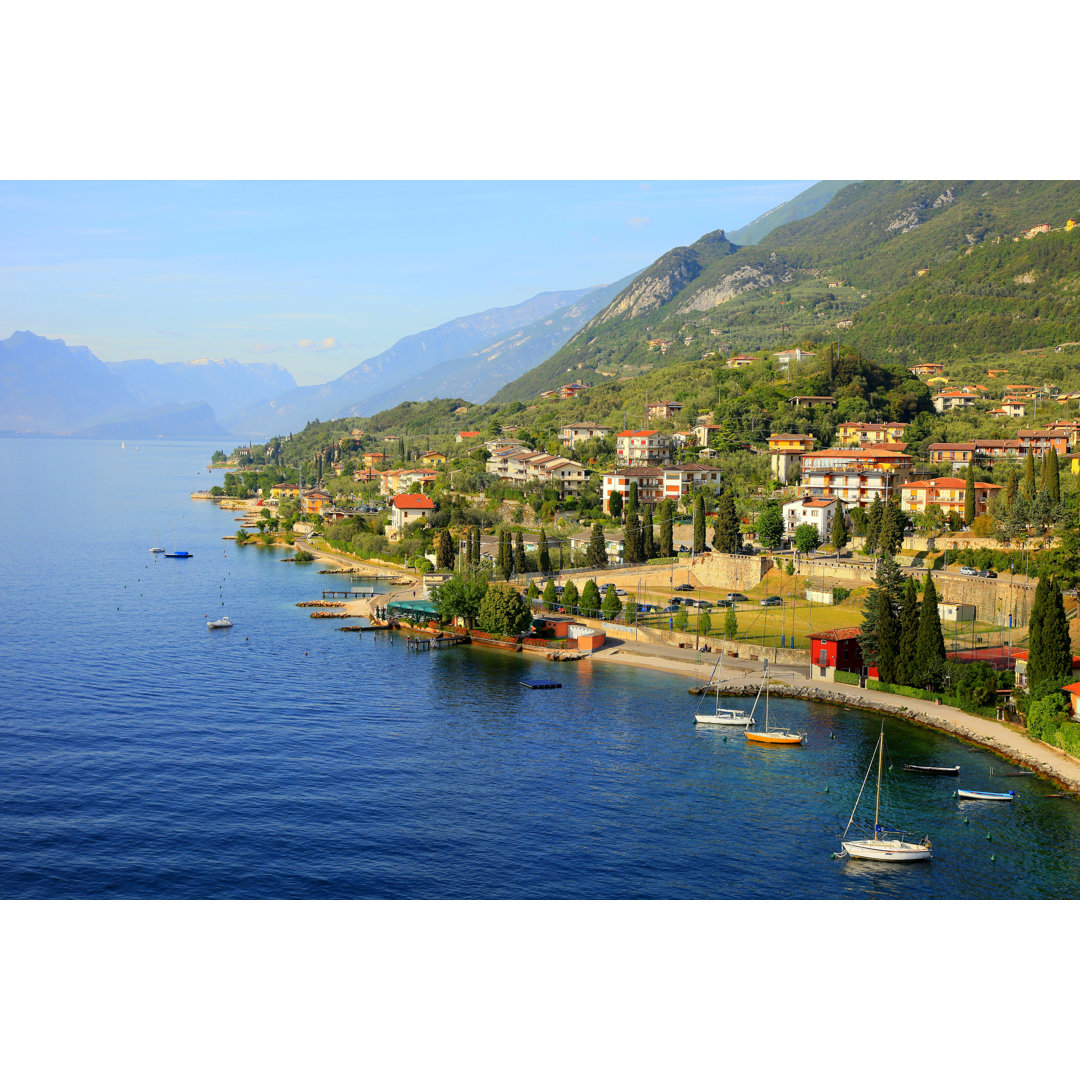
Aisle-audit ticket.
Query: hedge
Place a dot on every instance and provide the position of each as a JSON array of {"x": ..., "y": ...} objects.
[
  {"x": 932, "y": 695},
  {"x": 848, "y": 677}
]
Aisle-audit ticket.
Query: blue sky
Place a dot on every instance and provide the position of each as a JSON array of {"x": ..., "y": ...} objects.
[{"x": 318, "y": 276}]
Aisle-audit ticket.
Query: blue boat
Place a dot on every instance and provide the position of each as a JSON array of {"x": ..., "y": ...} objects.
[
  {"x": 178, "y": 555},
  {"x": 541, "y": 684}
]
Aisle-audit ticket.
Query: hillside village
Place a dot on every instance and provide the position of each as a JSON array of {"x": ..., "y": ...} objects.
[{"x": 776, "y": 487}]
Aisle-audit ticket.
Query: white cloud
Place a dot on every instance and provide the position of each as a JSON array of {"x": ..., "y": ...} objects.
[
  {"x": 326, "y": 345},
  {"x": 265, "y": 346},
  {"x": 639, "y": 222}
]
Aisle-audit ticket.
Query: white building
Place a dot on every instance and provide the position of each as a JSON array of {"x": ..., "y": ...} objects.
[
  {"x": 810, "y": 511},
  {"x": 642, "y": 448},
  {"x": 404, "y": 510},
  {"x": 572, "y": 434}
]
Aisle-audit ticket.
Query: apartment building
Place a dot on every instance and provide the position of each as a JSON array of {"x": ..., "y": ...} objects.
[
  {"x": 523, "y": 466},
  {"x": 811, "y": 511},
  {"x": 854, "y": 476},
  {"x": 664, "y": 409},
  {"x": 642, "y": 448},
  {"x": 860, "y": 434},
  {"x": 572, "y": 434},
  {"x": 946, "y": 492}
]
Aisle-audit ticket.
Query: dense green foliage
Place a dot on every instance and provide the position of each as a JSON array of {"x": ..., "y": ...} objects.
[{"x": 503, "y": 610}]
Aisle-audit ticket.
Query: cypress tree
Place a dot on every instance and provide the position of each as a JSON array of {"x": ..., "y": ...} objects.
[
  {"x": 570, "y": 597},
  {"x": 839, "y": 527},
  {"x": 597, "y": 553},
  {"x": 544, "y": 557},
  {"x": 1011, "y": 486},
  {"x": 615, "y": 504},
  {"x": 476, "y": 545},
  {"x": 1049, "y": 646},
  {"x": 649, "y": 544},
  {"x": 726, "y": 533},
  {"x": 1053, "y": 476},
  {"x": 506, "y": 555},
  {"x": 612, "y": 605},
  {"x": 969, "y": 497},
  {"x": 631, "y": 499},
  {"x": 699, "y": 523},
  {"x": 891, "y": 533},
  {"x": 667, "y": 548},
  {"x": 632, "y": 537},
  {"x": 1044, "y": 463},
  {"x": 873, "y": 524},
  {"x": 549, "y": 598},
  {"x": 930, "y": 643},
  {"x": 909, "y": 635},
  {"x": 888, "y": 638},
  {"x": 1028, "y": 485},
  {"x": 519, "y": 553}
]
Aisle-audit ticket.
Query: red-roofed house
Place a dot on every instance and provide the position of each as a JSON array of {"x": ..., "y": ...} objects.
[
  {"x": 835, "y": 650},
  {"x": 1021, "y": 657},
  {"x": 948, "y": 492},
  {"x": 404, "y": 510},
  {"x": 1073, "y": 690},
  {"x": 463, "y": 435}
]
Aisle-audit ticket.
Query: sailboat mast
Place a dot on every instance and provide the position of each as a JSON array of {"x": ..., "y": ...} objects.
[{"x": 881, "y": 754}]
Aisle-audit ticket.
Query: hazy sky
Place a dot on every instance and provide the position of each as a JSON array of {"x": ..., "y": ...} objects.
[{"x": 318, "y": 276}]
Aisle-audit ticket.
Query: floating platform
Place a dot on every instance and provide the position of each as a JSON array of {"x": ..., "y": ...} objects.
[{"x": 541, "y": 684}]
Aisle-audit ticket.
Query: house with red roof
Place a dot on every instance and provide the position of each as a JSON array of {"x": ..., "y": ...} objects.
[
  {"x": 642, "y": 448},
  {"x": 946, "y": 492},
  {"x": 811, "y": 511},
  {"x": 836, "y": 650},
  {"x": 404, "y": 510}
]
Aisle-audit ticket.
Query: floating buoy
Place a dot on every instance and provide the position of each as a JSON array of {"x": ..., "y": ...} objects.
[
  {"x": 832, "y": 735},
  {"x": 987, "y": 836},
  {"x": 993, "y": 858},
  {"x": 725, "y": 738},
  {"x": 826, "y": 789},
  {"x": 965, "y": 821}
]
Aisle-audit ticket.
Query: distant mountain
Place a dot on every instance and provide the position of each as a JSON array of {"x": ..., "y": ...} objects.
[
  {"x": 52, "y": 388},
  {"x": 169, "y": 422},
  {"x": 49, "y": 387},
  {"x": 222, "y": 384},
  {"x": 803, "y": 205},
  {"x": 905, "y": 268},
  {"x": 405, "y": 361},
  {"x": 478, "y": 376}
]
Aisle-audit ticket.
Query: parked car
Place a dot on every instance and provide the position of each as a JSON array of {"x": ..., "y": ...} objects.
[
  {"x": 771, "y": 601},
  {"x": 987, "y": 573},
  {"x": 620, "y": 592},
  {"x": 736, "y": 596},
  {"x": 970, "y": 571},
  {"x": 684, "y": 588}
]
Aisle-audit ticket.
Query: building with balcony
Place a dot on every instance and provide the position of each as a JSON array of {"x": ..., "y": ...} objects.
[
  {"x": 949, "y": 400},
  {"x": 664, "y": 409},
  {"x": 1043, "y": 441},
  {"x": 642, "y": 448},
  {"x": 921, "y": 371},
  {"x": 785, "y": 357},
  {"x": 405, "y": 509},
  {"x": 855, "y": 477},
  {"x": 945, "y": 492},
  {"x": 649, "y": 480},
  {"x": 550, "y": 470}
]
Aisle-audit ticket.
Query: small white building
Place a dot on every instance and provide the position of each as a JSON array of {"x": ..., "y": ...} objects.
[
  {"x": 810, "y": 511},
  {"x": 956, "y": 612}
]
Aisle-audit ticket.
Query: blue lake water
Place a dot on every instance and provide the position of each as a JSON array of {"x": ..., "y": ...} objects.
[{"x": 142, "y": 755}]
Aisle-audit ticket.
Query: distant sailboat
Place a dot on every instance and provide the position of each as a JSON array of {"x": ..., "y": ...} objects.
[
  {"x": 122, "y": 447},
  {"x": 155, "y": 550},
  {"x": 174, "y": 554}
]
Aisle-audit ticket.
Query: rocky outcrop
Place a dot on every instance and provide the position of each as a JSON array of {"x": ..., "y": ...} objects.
[{"x": 743, "y": 280}]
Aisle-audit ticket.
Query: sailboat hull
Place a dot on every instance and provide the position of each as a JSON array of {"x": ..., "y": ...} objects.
[
  {"x": 886, "y": 850},
  {"x": 728, "y": 719},
  {"x": 776, "y": 738}
]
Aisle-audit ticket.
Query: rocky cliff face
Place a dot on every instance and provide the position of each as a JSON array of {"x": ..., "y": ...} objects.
[
  {"x": 743, "y": 280},
  {"x": 666, "y": 278}
]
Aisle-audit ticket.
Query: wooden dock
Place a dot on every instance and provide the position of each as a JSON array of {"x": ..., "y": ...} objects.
[
  {"x": 357, "y": 592},
  {"x": 443, "y": 641}
]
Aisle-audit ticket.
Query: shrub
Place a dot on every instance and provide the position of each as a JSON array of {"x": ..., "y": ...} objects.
[
  {"x": 303, "y": 557},
  {"x": 840, "y": 594},
  {"x": 848, "y": 677}
]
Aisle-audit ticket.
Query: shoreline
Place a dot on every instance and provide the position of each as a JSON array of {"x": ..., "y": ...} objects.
[{"x": 1011, "y": 744}]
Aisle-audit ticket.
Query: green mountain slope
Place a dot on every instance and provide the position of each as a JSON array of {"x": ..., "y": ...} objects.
[{"x": 855, "y": 262}]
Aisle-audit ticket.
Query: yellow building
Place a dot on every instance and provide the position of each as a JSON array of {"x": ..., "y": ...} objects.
[
  {"x": 859, "y": 434},
  {"x": 433, "y": 457},
  {"x": 785, "y": 454}
]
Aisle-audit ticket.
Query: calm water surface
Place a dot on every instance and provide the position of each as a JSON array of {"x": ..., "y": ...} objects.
[{"x": 142, "y": 755}]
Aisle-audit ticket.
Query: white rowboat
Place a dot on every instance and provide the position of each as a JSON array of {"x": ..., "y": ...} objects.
[{"x": 993, "y": 796}]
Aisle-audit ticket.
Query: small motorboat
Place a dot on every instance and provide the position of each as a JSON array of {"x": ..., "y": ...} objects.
[
  {"x": 220, "y": 624},
  {"x": 934, "y": 770},
  {"x": 994, "y": 796},
  {"x": 157, "y": 551}
]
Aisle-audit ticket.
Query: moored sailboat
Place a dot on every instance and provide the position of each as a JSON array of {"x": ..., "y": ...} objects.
[
  {"x": 727, "y": 717},
  {"x": 881, "y": 847},
  {"x": 773, "y": 736}
]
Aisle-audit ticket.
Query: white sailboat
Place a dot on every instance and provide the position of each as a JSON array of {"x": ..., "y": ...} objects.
[
  {"x": 881, "y": 847},
  {"x": 775, "y": 736},
  {"x": 728, "y": 717},
  {"x": 155, "y": 550}
]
